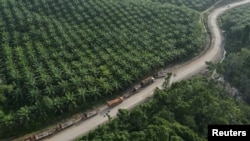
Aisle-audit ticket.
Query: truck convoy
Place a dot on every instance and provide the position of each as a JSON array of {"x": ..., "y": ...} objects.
[
  {"x": 61, "y": 126},
  {"x": 87, "y": 115},
  {"x": 147, "y": 81},
  {"x": 134, "y": 90}
]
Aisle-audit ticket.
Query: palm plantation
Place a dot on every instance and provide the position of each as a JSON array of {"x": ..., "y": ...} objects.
[{"x": 62, "y": 56}]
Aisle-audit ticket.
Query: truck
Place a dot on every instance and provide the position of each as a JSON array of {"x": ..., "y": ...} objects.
[
  {"x": 160, "y": 74},
  {"x": 136, "y": 88},
  {"x": 147, "y": 81},
  {"x": 66, "y": 124},
  {"x": 115, "y": 102},
  {"x": 84, "y": 116},
  {"x": 61, "y": 126},
  {"x": 90, "y": 114},
  {"x": 41, "y": 135}
]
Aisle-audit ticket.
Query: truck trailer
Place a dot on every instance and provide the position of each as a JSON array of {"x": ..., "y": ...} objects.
[
  {"x": 115, "y": 102},
  {"x": 147, "y": 81}
]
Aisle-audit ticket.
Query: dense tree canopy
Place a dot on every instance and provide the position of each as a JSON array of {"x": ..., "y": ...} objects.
[
  {"x": 184, "y": 111},
  {"x": 236, "y": 66},
  {"x": 236, "y": 24},
  {"x": 180, "y": 113},
  {"x": 199, "y": 5},
  {"x": 63, "y": 55}
]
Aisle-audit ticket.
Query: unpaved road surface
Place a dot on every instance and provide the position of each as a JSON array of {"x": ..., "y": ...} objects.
[{"x": 182, "y": 71}]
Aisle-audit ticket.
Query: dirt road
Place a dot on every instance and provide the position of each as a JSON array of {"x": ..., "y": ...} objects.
[{"x": 182, "y": 71}]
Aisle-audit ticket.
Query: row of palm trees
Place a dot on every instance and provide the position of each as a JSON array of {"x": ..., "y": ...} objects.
[
  {"x": 58, "y": 30},
  {"x": 199, "y": 5},
  {"x": 71, "y": 44},
  {"x": 58, "y": 55}
]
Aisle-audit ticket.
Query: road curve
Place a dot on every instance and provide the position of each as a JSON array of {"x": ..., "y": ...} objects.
[{"x": 182, "y": 71}]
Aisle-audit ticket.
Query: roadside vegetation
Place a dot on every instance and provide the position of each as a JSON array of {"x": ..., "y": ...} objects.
[
  {"x": 182, "y": 112},
  {"x": 236, "y": 66},
  {"x": 179, "y": 113},
  {"x": 59, "y": 57}
]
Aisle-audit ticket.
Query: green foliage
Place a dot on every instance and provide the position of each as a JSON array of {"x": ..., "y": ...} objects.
[
  {"x": 236, "y": 70},
  {"x": 179, "y": 113},
  {"x": 237, "y": 28},
  {"x": 61, "y": 56},
  {"x": 199, "y": 5},
  {"x": 235, "y": 67},
  {"x": 3, "y": 100}
]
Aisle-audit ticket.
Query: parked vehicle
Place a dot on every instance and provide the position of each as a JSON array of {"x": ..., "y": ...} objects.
[
  {"x": 160, "y": 74},
  {"x": 147, "y": 81},
  {"x": 115, "y": 102},
  {"x": 90, "y": 114},
  {"x": 41, "y": 135},
  {"x": 136, "y": 88},
  {"x": 65, "y": 124}
]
